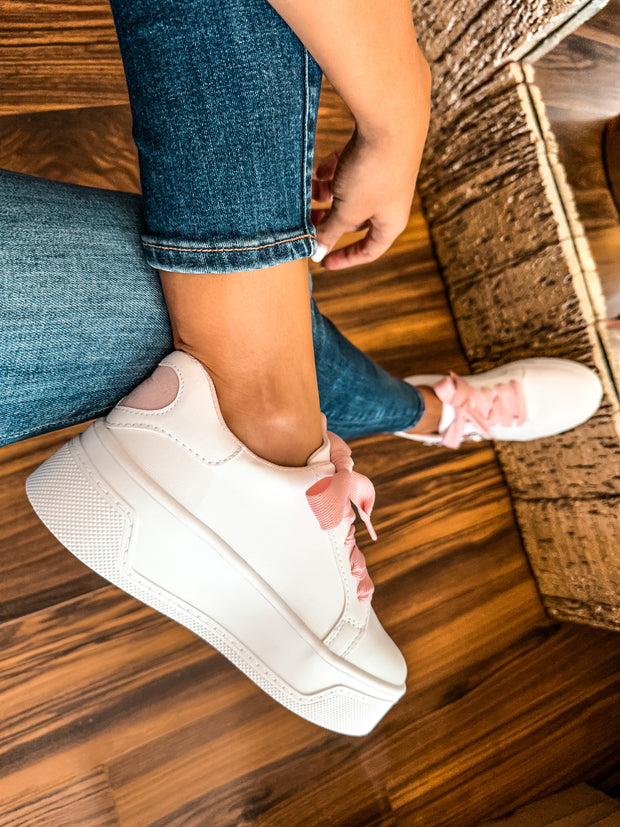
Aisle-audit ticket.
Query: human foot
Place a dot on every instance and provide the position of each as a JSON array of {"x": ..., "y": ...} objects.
[
  {"x": 259, "y": 560},
  {"x": 520, "y": 401}
]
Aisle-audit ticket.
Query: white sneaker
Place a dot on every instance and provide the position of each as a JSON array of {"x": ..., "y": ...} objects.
[
  {"x": 164, "y": 501},
  {"x": 522, "y": 400}
]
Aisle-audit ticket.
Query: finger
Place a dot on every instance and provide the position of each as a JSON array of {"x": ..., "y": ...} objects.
[
  {"x": 322, "y": 191},
  {"x": 327, "y": 167},
  {"x": 316, "y": 216},
  {"x": 338, "y": 221},
  {"x": 374, "y": 244}
]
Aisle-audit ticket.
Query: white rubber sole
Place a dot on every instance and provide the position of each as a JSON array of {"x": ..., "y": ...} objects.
[{"x": 111, "y": 516}]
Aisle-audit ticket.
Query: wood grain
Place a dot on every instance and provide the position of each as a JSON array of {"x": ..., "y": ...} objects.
[
  {"x": 58, "y": 55},
  {"x": 113, "y": 714},
  {"x": 580, "y": 75},
  {"x": 83, "y": 802},
  {"x": 77, "y": 146},
  {"x": 579, "y": 806},
  {"x": 611, "y": 158}
]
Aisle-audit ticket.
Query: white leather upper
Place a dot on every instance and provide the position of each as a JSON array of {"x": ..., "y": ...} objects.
[
  {"x": 559, "y": 395},
  {"x": 260, "y": 510}
]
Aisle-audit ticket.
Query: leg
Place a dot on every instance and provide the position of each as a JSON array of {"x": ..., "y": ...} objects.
[
  {"x": 253, "y": 333},
  {"x": 226, "y": 168},
  {"x": 71, "y": 346},
  {"x": 224, "y": 129},
  {"x": 162, "y": 497},
  {"x": 71, "y": 349},
  {"x": 357, "y": 396}
]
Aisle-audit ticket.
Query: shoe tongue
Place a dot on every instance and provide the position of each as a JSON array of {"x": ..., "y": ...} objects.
[
  {"x": 447, "y": 418},
  {"x": 321, "y": 455}
]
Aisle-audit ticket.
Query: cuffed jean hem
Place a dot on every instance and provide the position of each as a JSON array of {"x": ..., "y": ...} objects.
[
  {"x": 228, "y": 256},
  {"x": 224, "y": 99}
]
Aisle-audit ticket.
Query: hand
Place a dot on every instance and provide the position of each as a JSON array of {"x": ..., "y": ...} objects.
[{"x": 370, "y": 185}]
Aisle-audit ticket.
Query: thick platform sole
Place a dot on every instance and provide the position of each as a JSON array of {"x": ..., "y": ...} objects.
[{"x": 111, "y": 516}]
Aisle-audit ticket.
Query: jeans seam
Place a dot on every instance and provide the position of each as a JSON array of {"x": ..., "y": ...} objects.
[
  {"x": 304, "y": 185},
  {"x": 227, "y": 249}
]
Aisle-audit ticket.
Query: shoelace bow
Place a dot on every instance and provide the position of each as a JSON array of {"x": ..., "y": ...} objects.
[
  {"x": 331, "y": 500},
  {"x": 503, "y": 404}
]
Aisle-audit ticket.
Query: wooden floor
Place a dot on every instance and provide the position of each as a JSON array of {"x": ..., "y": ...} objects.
[{"x": 114, "y": 715}]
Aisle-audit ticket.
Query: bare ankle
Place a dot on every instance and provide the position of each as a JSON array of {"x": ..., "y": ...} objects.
[
  {"x": 429, "y": 424},
  {"x": 286, "y": 439}
]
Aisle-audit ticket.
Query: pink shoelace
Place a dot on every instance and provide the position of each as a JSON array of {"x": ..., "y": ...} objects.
[
  {"x": 331, "y": 500},
  {"x": 503, "y": 404}
]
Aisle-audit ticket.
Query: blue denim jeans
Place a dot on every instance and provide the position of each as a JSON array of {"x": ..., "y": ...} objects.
[
  {"x": 224, "y": 99},
  {"x": 83, "y": 319}
]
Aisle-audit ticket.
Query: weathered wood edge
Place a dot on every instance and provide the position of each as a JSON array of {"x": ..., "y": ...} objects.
[
  {"x": 553, "y": 33},
  {"x": 601, "y": 615}
]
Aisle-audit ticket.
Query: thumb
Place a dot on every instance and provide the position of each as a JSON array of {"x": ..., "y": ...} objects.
[{"x": 332, "y": 228}]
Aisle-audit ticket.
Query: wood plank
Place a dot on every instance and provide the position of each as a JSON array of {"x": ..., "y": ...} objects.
[
  {"x": 579, "y": 150},
  {"x": 503, "y": 705},
  {"x": 65, "y": 55},
  {"x": 41, "y": 78},
  {"x": 441, "y": 758},
  {"x": 611, "y": 158},
  {"x": 603, "y": 26},
  {"x": 579, "y": 806},
  {"x": 85, "y": 802},
  {"x": 92, "y": 146},
  {"x": 597, "y": 93},
  {"x": 59, "y": 55},
  {"x": 87, "y": 680}
]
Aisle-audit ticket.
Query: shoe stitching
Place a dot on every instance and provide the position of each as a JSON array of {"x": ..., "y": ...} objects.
[
  {"x": 355, "y": 640},
  {"x": 150, "y": 427},
  {"x": 204, "y": 620},
  {"x": 338, "y": 628},
  {"x": 227, "y": 249},
  {"x": 294, "y": 471},
  {"x": 345, "y": 575},
  {"x": 137, "y": 579}
]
